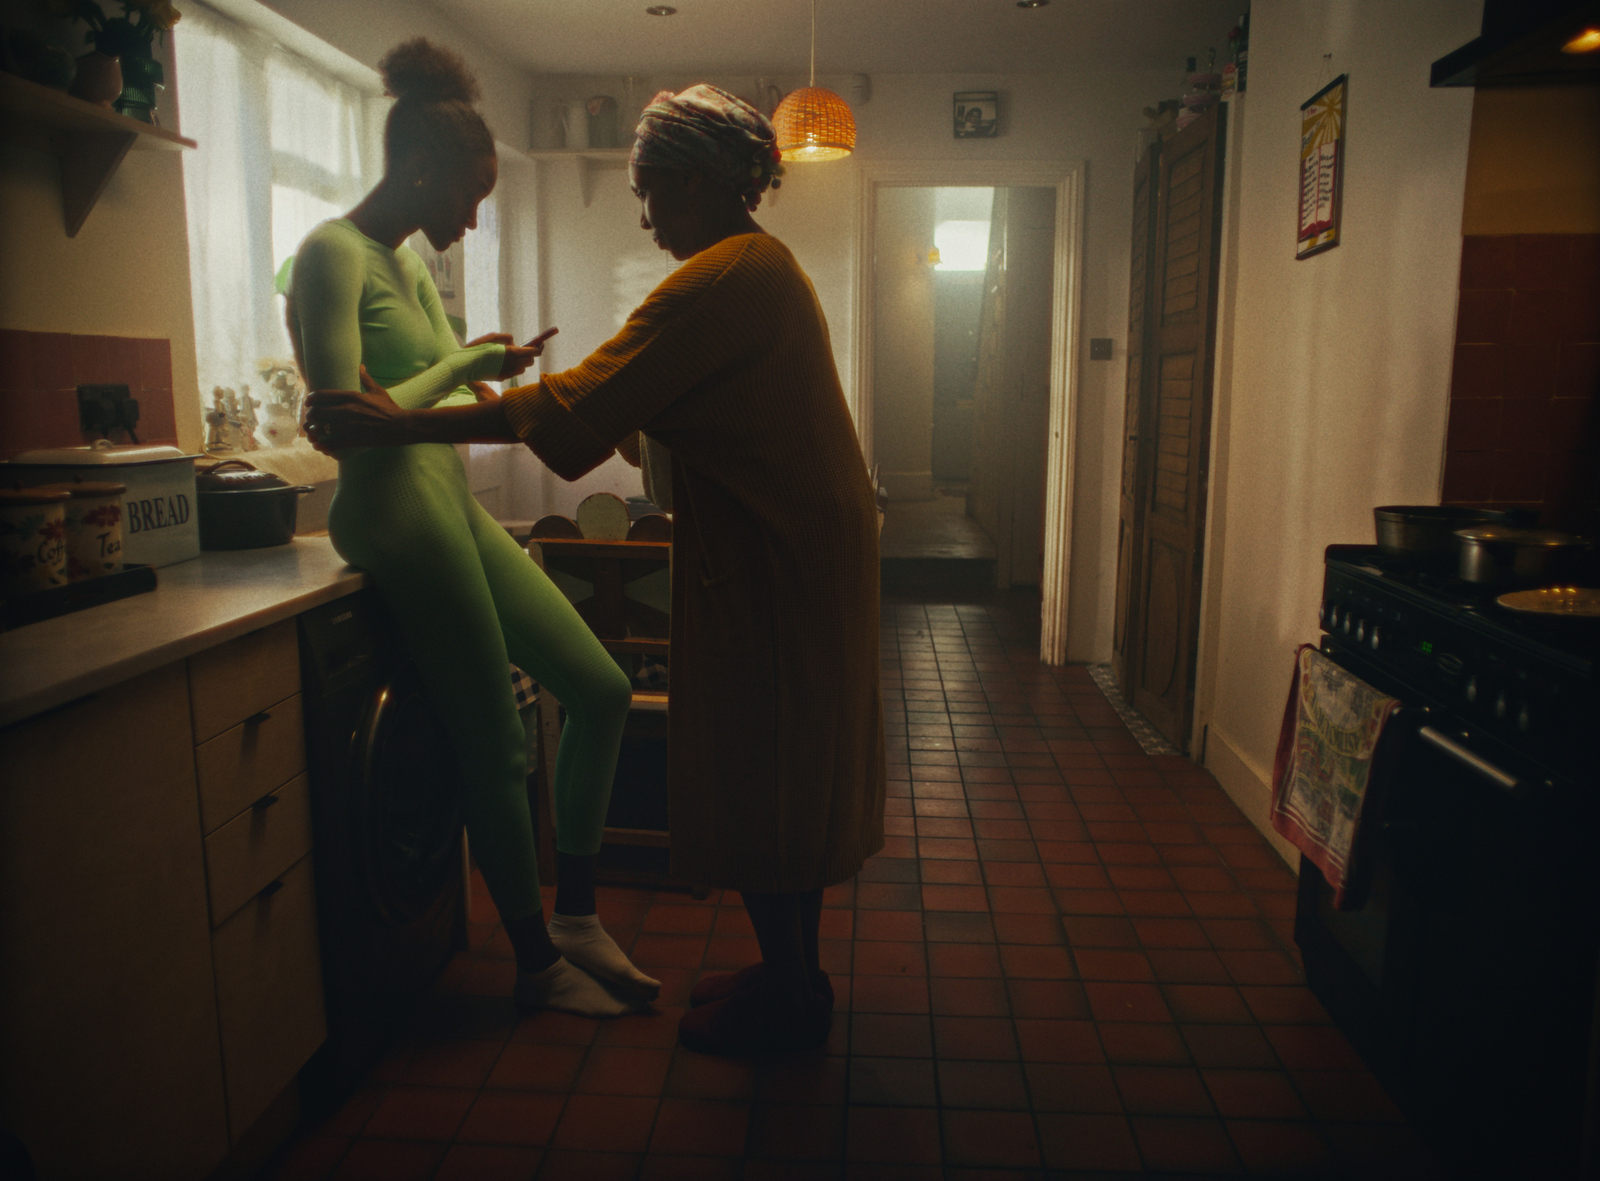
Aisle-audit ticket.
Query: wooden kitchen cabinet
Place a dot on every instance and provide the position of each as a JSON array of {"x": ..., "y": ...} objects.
[
  {"x": 255, "y": 813},
  {"x": 269, "y": 992},
  {"x": 110, "y": 1063},
  {"x": 160, "y": 981}
]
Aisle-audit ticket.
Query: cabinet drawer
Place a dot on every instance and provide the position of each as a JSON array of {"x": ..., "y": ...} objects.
[
  {"x": 232, "y": 681},
  {"x": 269, "y": 994},
  {"x": 252, "y": 849},
  {"x": 245, "y": 762}
]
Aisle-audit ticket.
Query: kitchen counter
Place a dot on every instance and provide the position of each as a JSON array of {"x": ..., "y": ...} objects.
[{"x": 196, "y": 605}]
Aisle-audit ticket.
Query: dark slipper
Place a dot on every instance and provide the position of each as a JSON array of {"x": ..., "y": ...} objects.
[
  {"x": 750, "y": 1021},
  {"x": 724, "y": 984}
]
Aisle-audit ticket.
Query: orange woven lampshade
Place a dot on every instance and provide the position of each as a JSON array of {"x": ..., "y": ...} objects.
[{"x": 814, "y": 123}]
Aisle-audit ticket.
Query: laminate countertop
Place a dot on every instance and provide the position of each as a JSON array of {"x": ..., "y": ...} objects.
[{"x": 198, "y": 604}]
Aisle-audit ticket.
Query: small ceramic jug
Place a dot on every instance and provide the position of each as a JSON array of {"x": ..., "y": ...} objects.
[
  {"x": 575, "y": 122},
  {"x": 602, "y": 112},
  {"x": 99, "y": 79},
  {"x": 33, "y": 540}
]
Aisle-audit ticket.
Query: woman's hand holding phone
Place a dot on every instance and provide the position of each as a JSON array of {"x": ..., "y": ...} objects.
[{"x": 519, "y": 358}]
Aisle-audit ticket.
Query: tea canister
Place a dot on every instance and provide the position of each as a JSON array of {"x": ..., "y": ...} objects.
[
  {"x": 33, "y": 540},
  {"x": 94, "y": 527}
]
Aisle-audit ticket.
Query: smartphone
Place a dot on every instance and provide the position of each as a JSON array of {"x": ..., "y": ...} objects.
[{"x": 542, "y": 337}]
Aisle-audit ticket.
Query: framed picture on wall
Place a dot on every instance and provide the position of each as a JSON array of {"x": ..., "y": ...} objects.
[
  {"x": 1321, "y": 168},
  {"x": 977, "y": 114}
]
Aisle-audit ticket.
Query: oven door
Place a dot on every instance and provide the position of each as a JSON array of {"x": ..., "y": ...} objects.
[{"x": 1467, "y": 976}]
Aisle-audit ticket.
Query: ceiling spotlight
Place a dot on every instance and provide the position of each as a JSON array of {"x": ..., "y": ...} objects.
[
  {"x": 1032, "y": 3},
  {"x": 1585, "y": 42},
  {"x": 662, "y": 10}
]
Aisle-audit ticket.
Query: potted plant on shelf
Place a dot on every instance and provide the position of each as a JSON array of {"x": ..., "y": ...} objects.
[{"x": 130, "y": 38}]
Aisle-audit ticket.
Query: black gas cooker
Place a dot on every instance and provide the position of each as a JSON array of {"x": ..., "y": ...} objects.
[
  {"x": 1467, "y": 978},
  {"x": 1518, "y": 688}
]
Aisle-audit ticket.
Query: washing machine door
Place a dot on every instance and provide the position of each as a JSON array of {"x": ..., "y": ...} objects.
[{"x": 408, "y": 802}]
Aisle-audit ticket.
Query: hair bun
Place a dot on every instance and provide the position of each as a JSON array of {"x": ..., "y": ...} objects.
[{"x": 422, "y": 71}]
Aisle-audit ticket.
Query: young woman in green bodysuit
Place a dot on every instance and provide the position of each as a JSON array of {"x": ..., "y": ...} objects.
[{"x": 466, "y": 597}]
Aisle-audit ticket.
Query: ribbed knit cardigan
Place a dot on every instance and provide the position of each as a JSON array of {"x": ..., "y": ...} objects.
[{"x": 776, "y": 763}]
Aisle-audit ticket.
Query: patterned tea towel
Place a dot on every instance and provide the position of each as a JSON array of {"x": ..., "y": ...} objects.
[
  {"x": 1331, "y": 727},
  {"x": 524, "y": 686}
]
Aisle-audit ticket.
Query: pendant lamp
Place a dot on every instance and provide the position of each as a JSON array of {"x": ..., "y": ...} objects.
[{"x": 814, "y": 123}]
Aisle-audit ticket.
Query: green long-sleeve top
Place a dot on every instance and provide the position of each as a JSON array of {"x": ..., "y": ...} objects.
[{"x": 357, "y": 302}]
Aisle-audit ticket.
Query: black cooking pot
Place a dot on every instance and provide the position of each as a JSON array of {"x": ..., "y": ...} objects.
[
  {"x": 1497, "y": 556},
  {"x": 1425, "y": 534},
  {"x": 243, "y": 508}
]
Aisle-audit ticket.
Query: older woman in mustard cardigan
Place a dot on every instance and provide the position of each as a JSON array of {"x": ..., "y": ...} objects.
[{"x": 776, "y": 728}]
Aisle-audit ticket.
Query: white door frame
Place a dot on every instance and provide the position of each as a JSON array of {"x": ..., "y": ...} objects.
[{"x": 1067, "y": 179}]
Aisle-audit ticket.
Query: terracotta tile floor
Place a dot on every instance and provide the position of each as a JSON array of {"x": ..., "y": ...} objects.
[{"x": 1070, "y": 960}]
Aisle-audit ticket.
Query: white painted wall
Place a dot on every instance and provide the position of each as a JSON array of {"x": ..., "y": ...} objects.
[
  {"x": 1333, "y": 391},
  {"x": 902, "y": 352}
]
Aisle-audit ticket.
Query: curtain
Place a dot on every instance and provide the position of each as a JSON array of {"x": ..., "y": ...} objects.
[{"x": 284, "y": 145}]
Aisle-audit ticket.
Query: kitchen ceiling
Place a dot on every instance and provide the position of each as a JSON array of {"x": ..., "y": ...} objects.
[{"x": 853, "y": 36}]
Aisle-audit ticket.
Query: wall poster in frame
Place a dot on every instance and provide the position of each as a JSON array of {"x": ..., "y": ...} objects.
[
  {"x": 1322, "y": 119},
  {"x": 977, "y": 114}
]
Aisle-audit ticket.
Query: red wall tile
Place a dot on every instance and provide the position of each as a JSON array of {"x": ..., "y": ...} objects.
[
  {"x": 1524, "y": 424},
  {"x": 40, "y": 372}
]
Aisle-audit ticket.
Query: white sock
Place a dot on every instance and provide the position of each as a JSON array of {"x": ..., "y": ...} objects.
[
  {"x": 568, "y": 988},
  {"x": 584, "y": 941}
]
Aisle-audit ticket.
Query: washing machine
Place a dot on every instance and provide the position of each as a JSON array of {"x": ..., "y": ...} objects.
[{"x": 386, "y": 816}]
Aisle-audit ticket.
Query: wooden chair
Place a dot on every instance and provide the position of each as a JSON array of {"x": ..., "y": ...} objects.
[{"x": 622, "y": 590}]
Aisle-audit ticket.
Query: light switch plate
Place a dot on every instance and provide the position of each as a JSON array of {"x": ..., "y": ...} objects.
[{"x": 1100, "y": 348}]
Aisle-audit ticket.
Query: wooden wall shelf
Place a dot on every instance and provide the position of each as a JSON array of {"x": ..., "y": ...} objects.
[{"x": 89, "y": 141}]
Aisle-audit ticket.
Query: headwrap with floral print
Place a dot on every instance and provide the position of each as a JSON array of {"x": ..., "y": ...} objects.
[{"x": 712, "y": 132}]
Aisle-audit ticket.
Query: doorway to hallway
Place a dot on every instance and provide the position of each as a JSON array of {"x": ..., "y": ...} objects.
[
  {"x": 961, "y": 383},
  {"x": 1059, "y": 255}
]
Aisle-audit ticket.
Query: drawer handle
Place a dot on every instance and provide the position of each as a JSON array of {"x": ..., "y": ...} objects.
[
  {"x": 263, "y": 803},
  {"x": 257, "y": 719},
  {"x": 271, "y": 888}
]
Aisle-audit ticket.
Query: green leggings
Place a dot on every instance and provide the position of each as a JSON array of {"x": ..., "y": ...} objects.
[{"x": 469, "y": 600}]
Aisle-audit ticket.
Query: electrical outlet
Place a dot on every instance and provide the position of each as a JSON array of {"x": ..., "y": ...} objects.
[
  {"x": 1100, "y": 348},
  {"x": 105, "y": 409}
]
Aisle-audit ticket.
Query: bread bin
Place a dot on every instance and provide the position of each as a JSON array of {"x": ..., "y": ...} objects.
[{"x": 159, "y": 525}]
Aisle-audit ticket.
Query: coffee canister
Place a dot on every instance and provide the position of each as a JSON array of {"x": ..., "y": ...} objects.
[
  {"x": 94, "y": 527},
  {"x": 33, "y": 540}
]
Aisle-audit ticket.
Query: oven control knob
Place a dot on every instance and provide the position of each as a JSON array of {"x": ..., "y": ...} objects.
[
  {"x": 1349, "y": 622},
  {"x": 1373, "y": 639},
  {"x": 1330, "y": 616},
  {"x": 1361, "y": 632},
  {"x": 1471, "y": 689},
  {"x": 1500, "y": 706},
  {"x": 1524, "y": 718}
]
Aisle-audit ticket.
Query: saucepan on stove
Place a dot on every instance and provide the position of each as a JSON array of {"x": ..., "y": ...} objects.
[
  {"x": 1425, "y": 534},
  {"x": 244, "y": 508},
  {"x": 1505, "y": 556}
]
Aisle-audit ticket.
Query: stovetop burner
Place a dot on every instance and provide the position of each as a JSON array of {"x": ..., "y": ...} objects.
[
  {"x": 1524, "y": 686},
  {"x": 1564, "y": 637}
]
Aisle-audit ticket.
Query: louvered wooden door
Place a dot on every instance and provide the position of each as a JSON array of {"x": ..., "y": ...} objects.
[
  {"x": 1135, "y": 449},
  {"x": 1177, "y": 419}
]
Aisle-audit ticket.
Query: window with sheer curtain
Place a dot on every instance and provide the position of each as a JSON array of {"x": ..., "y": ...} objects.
[{"x": 286, "y": 145}]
